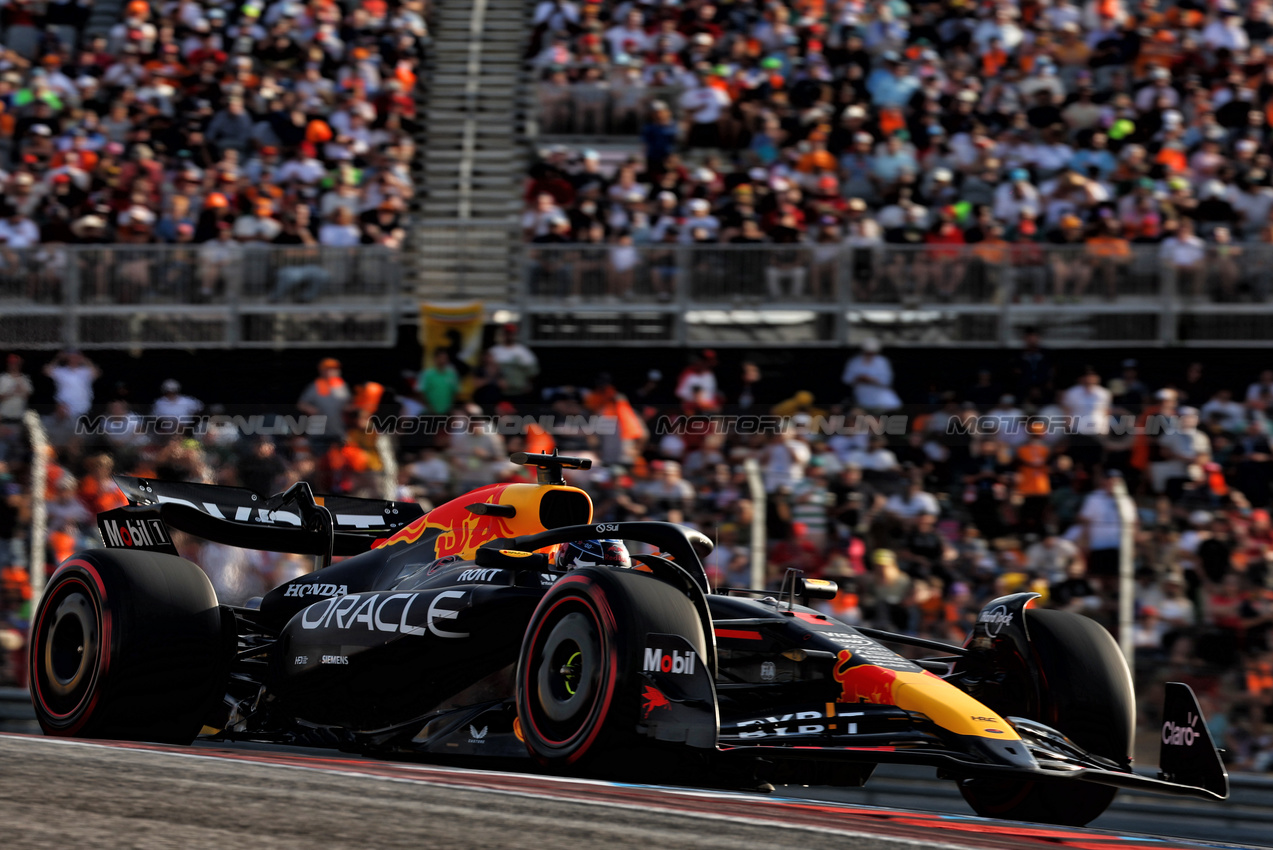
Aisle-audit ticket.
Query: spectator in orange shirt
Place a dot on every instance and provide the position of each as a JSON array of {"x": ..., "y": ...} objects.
[
  {"x": 1110, "y": 254},
  {"x": 990, "y": 257},
  {"x": 818, "y": 159},
  {"x": 1033, "y": 480},
  {"x": 97, "y": 489}
]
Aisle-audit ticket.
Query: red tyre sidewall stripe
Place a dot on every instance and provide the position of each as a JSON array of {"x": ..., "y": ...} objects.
[
  {"x": 607, "y": 615},
  {"x": 103, "y": 650},
  {"x": 595, "y": 600}
]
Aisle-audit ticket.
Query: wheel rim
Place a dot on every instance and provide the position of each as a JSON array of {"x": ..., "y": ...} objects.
[
  {"x": 567, "y": 675},
  {"x": 69, "y": 650}
]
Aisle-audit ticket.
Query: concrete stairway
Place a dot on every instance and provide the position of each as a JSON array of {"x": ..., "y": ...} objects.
[{"x": 466, "y": 242}]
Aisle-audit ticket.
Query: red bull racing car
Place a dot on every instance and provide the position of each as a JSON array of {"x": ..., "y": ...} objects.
[{"x": 490, "y": 629}]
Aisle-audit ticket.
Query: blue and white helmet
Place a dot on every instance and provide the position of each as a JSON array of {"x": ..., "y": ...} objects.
[{"x": 593, "y": 553}]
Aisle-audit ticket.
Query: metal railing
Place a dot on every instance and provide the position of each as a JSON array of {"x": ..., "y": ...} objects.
[
  {"x": 604, "y": 108},
  {"x": 668, "y": 292},
  {"x": 215, "y": 294},
  {"x": 818, "y": 293}
]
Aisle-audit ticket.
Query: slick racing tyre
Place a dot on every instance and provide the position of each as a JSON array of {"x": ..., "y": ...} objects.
[
  {"x": 1086, "y": 693},
  {"x": 127, "y": 645},
  {"x": 578, "y": 676}
]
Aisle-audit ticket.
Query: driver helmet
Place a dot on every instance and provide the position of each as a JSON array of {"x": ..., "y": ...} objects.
[{"x": 593, "y": 553}]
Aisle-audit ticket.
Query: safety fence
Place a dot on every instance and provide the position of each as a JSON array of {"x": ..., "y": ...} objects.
[
  {"x": 215, "y": 294},
  {"x": 663, "y": 290},
  {"x": 601, "y": 107},
  {"x": 1106, "y": 292}
]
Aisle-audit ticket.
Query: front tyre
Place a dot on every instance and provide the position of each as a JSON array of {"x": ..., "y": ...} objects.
[
  {"x": 127, "y": 645},
  {"x": 579, "y": 685},
  {"x": 1086, "y": 693}
]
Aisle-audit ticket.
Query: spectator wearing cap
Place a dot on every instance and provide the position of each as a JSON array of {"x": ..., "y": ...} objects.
[
  {"x": 700, "y": 218},
  {"x": 1071, "y": 266},
  {"x": 173, "y": 405},
  {"x": 702, "y": 107},
  {"x": 216, "y": 212},
  {"x": 260, "y": 226},
  {"x": 891, "y": 84},
  {"x": 659, "y": 136},
  {"x": 1181, "y": 447},
  {"x": 327, "y": 396},
  {"x": 1016, "y": 196},
  {"x": 697, "y": 388},
  {"x": 869, "y": 375}
]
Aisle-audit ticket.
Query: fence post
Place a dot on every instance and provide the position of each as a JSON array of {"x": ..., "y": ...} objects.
[
  {"x": 758, "y": 553},
  {"x": 71, "y": 297},
  {"x": 1167, "y": 318},
  {"x": 233, "y": 303},
  {"x": 844, "y": 290},
  {"x": 682, "y": 295},
  {"x": 521, "y": 295},
  {"x": 1007, "y": 291}
]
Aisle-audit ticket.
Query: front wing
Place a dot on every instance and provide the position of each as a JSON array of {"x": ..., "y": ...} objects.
[{"x": 1190, "y": 765}]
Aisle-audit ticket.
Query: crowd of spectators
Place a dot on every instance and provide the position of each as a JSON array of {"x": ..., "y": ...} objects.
[
  {"x": 1001, "y": 481},
  {"x": 1101, "y": 125},
  {"x": 273, "y": 121}
]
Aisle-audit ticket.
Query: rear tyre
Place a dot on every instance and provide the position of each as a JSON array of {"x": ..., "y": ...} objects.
[
  {"x": 127, "y": 645},
  {"x": 578, "y": 688},
  {"x": 1086, "y": 693}
]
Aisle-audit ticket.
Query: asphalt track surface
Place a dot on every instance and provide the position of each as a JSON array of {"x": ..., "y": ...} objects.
[{"x": 59, "y": 793}]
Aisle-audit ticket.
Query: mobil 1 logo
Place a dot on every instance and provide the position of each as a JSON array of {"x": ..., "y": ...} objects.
[{"x": 670, "y": 654}]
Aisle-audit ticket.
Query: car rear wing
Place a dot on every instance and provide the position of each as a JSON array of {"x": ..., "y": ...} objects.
[{"x": 295, "y": 521}]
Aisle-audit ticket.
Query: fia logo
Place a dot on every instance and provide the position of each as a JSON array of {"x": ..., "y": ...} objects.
[{"x": 477, "y": 735}]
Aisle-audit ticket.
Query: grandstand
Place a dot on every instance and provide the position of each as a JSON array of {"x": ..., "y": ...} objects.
[{"x": 1078, "y": 177}]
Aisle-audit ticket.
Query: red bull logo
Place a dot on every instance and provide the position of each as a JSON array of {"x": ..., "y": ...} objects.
[
  {"x": 461, "y": 532},
  {"x": 863, "y": 682}
]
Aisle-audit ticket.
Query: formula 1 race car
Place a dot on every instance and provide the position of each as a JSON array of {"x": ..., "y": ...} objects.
[{"x": 456, "y": 634}]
